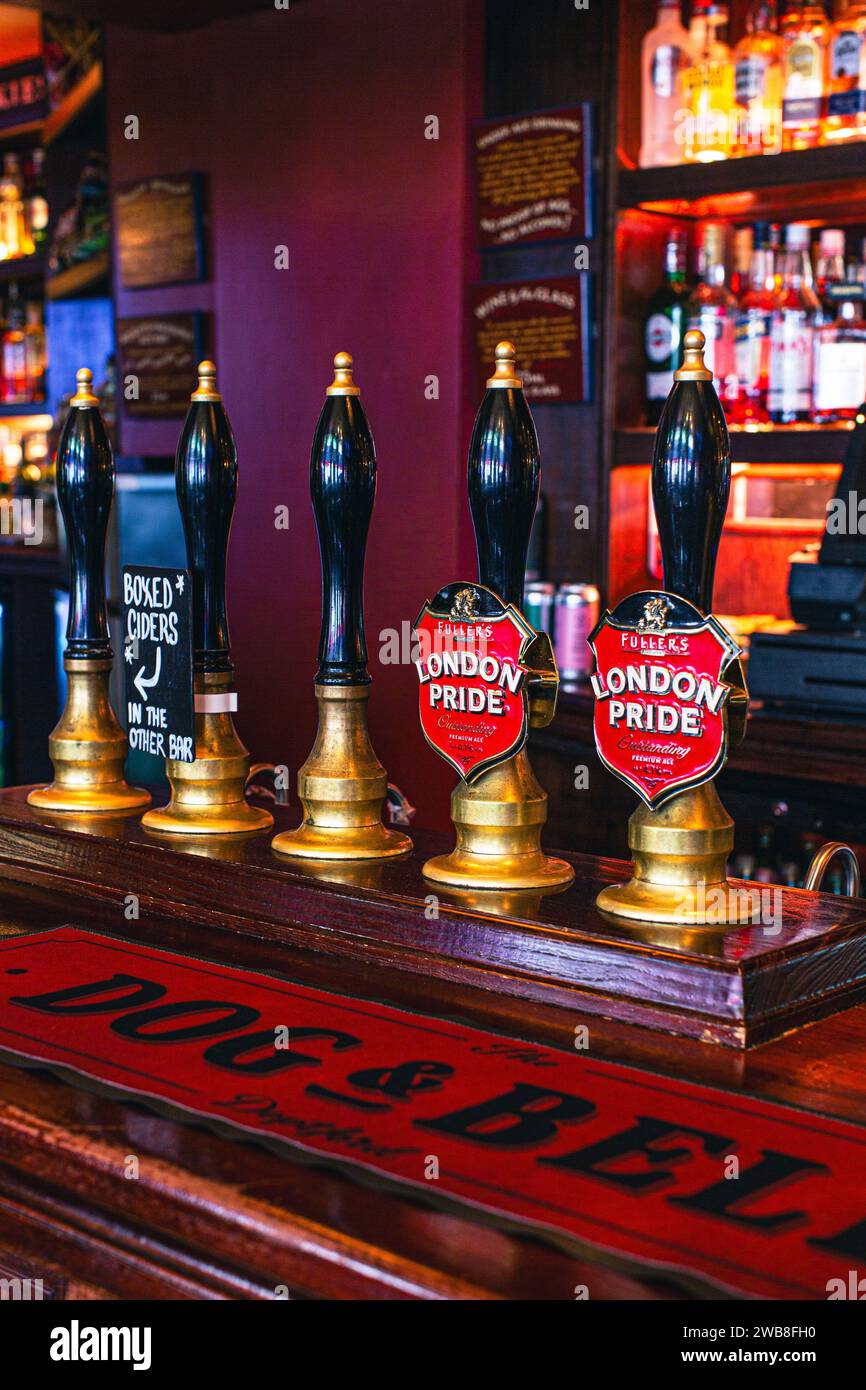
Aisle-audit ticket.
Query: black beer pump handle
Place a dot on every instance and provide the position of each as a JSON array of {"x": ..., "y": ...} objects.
[
  {"x": 343, "y": 489},
  {"x": 206, "y": 478},
  {"x": 504, "y": 475},
  {"x": 691, "y": 478},
  {"x": 85, "y": 487}
]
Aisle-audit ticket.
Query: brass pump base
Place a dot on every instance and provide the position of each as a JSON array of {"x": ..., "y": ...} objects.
[
  {"x": 498, "y": 821},
  {"x": 88, "y": 749},
  {"x": 680, "y": 853},
  {"x": 342, "y": 786},
  {"x": 207, "y": 796}
]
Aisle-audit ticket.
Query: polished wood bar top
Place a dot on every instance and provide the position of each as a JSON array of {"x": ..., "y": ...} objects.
[
  {"x": 737, "y": 987},
  {"x": 210, "y": 1217}
]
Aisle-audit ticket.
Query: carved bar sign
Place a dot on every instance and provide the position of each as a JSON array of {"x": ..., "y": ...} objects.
[
  {"x": 473, "y": 701},
  {"x": 661, "y": 698},
  {"x": 613, "y": 1163}
]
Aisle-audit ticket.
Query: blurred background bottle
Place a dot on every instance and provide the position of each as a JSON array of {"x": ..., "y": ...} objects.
[
  {"x": 713, "y": 309},
  {"x": 708, "y": 85},
  {"x": 665, "y": 325},
  {"x": 753, "y": 329},
  {"x": 845, "y": 118},
  {"x": 839, "y": 371},
  {"x": 665, "y": 57},
  {"x": 806, "y": 37},
  {"x": 789, "y": 395},
  {"x": 758, "y": 82}
]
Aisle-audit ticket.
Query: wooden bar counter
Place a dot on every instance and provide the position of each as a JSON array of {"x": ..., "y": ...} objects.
[{"x": 108, "y": 1195}]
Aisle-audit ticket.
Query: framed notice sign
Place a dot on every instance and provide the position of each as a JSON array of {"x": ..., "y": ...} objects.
[
  {"x": 22, "y": 93},
  {"x": 157, "y": 359},
  {"x": 548, "y": 321},
  {"x": 533, "y": 177},
  {"x": 160, "y": 231}
]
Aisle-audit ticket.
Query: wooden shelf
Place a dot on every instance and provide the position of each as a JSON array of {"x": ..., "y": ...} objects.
[
  {"x": 10, "y": 410},
  {"x": 73, "y": 105},
  {"x": 821, "y": 184},
  {"x": 78, "y": 279},
  {"x": 794, "y": 444},
  {"x": 27, "y": 133},
  {"x": 22, "y": 268}
]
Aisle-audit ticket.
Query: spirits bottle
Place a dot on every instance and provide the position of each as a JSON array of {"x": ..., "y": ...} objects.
[
  {"x": 789, "y": 398},
  {"x": 14, "y": 237},
  {"x": 35, "y": 200},
  {"x": 14, "y": 351},
  {"x": 665, "y": 326},
  {"x": 713, "y": 309},
  {"x": 830, "y": 267},
  {"x": 846, "y": 75},
  {"x": 857, "y": 267},
  {"x": 806, "y": 36},
  {"x": 665, "y": 56},
  {"x": 708, "y": 85},
  {"x": 741, "y": 259},
  {"x": 754, "y": 323},
  {"x": 839, "y": 365},
  {"x": 34, "y": 352},
  {"x": 758, "y": 82}
]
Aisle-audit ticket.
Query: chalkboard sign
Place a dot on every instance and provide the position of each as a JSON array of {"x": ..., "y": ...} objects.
[
  {"x": 548, "y": 322},
  {"x": 160, "y": 236},
  {"x": 533, "y": 177},
  {"x": 157, "y": 661},
  {"x": 157, "y": 359}
]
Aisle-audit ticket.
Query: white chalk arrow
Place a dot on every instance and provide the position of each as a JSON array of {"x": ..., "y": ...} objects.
[{"x": 144, "y": 683}]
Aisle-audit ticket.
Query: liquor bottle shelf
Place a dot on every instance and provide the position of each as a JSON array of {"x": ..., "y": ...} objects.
[
  {"x": 16, "y": 409},
  {"x": 824, "y": 183},
  {"x": 80, "y": 278},
  {"x": 796, "y": 444}
]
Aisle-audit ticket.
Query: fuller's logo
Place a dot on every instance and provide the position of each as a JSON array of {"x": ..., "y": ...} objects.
[
  {"x": 661, "y": 712},
  {"x": 473, "y": 700}
]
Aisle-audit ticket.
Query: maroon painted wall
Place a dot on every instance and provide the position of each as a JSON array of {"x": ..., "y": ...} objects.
[{"x": 310, "y": 126}]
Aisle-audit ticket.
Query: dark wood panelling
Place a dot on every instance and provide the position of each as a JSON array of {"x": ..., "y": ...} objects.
[{"x": 546, "y": 53}]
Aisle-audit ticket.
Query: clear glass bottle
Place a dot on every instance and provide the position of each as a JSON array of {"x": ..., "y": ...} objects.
[
  {"x": 758, "y": 82},
  {"x": 14, "y": 351},
  {"x": 806, "y": 36},
  {"x": 14, "y": 237},
  {"x": 741, "y": 258},
  {"x": 845, "y": 117},
  {"x": 665, "y": 325},
  {"x": 754, "y": 324},
  {"x": 34, "y": 352},
  {"x": 35, "y": 201},
  {"x": 789, "y": 397},
  {"x": 708, "y": 85},
  {"x": 713, "y": 309},
  {"x": 857, "y": 266},
  {"x": 839, "y": 372},
  {"x": 665, "y": 57}
]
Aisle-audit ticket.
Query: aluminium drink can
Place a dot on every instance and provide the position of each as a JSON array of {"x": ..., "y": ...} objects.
[
  {"x": 576, "y": 614},
  {"x": 538, "y": 605}
]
